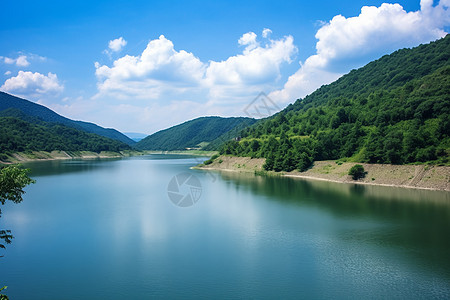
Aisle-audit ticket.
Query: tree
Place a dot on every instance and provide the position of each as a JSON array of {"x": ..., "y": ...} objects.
[
  {"x": 357, "y": 172},
  {"x": 3, "y": 297},
  {"x": 13, "y": 180}
]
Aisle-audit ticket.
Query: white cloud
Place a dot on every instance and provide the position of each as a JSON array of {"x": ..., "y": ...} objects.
[
  {"x": 33, "y": 85},
  {"x": 346, "y": 43},
  {"x": 255, "y": 65},
  {"x": 9, "y": 61},
  {"x": 22, "y": 61},
  {"x": 266, "y": 32},
  {"x": 248, "y": 39},
  {"x": 117, "y": 44},
  {"x": 241, "y": 77},
  {"x": 158, "y": 68},
  {"x": 161, "y": 70},
  {"x": 163, "y": 86},
  {"x": 178, "y": 85},
  {"x": 7, "y": 73}
]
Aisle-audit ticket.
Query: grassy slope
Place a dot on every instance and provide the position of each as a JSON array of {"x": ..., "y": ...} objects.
[{"x": 408, "y": 176}]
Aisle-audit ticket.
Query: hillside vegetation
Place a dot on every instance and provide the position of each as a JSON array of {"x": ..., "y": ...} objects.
[
  {"x": 394, "y": 110},
  {"x": 206, "y": 133},
  {"x": 17, "y": 135},
  {"x": 11, "y": 106}
]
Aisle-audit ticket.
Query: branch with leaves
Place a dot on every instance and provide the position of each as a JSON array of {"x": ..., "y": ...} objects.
[{"x": 13, "y": 180}]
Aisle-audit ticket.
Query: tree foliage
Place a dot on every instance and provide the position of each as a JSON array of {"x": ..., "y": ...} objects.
[
  {"x": 11, "y": 106},
  {"x": 394, "y": 110},
  {"x": 190, "y": 134},
  {"x": 12, "y": 182},
  {"x": 357, "y": 172},
  {"x": 17, "y": 135},
  {"x": 2, "y": 296}
]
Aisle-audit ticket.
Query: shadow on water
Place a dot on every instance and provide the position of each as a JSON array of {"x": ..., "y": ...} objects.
[
  {"x": 405, "y": 218},
  {"x": 58, "y": 167}
]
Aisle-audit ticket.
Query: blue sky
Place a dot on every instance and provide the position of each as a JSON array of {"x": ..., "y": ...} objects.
[{"x": 141, "y": 66}]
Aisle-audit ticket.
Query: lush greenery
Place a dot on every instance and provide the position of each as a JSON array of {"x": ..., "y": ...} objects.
[
  {"x": 198, "y": 133},
  {"x": 357, "y": 172},
  {"x": 17, "y": 135},
  {"x": 12, "y": 182},
  {"x": 209, "y": 161},
  {"x": 2, "y": 296},
  {"x": 11, "y": 106},
  {"x": 394, "y": 110},
  {"x": 230, "y": 134}
]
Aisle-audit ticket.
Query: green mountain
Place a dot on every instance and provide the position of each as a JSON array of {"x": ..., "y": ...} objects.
[
  {"x": 33, "y": 112},
  {"x": 204, "y": 133},
  {"x": 18, "y": 135},
  {"x": 394, "y": 110}
]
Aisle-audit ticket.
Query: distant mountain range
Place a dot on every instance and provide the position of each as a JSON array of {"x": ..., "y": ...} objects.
[
  {"x": 28, "y": 126},
  {"x": 11, "y": 106},
  {"x": 205, "y": 133}
]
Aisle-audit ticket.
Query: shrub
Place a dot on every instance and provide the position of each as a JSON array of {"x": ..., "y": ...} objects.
[
  {"x": 357, "y": 172},
  {"x": 209, "y": 161}
]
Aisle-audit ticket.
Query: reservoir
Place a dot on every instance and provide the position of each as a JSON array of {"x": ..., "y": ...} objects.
[{"x": 116, "y": 229}]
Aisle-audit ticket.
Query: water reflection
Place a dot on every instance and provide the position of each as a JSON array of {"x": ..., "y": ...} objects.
[
  {"x": 110, "y": 227},
  {"x": 417, "y": 220},
  {"x": 58, "y": 167}
]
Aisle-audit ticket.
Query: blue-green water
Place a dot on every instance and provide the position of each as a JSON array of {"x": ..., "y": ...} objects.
[{"x": 106, "y": 229}]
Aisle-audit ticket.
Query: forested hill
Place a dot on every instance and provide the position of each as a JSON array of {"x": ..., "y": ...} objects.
[
  {"x": 10, "y": 105},
  {"x": 393, "y": 110},
  {"x": 204, "y": 133},
  {"x": 17, "y": 135}
]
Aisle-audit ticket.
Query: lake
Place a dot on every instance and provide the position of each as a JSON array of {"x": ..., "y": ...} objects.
[{"x": 130, "y": 229}]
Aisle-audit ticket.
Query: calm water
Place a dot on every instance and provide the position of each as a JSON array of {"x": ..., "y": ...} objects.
[{"x": 107, "y": 230}]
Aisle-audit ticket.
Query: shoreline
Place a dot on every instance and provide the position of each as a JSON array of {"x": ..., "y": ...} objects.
[
  {"x": 23, "y": 157},
  {"x": 424, "y": 177}
]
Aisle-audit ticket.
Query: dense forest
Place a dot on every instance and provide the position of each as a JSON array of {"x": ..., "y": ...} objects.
[
  {"x": 17, "y": 135},
  {"x": 206, "y": 133},
  {"x": 394, "y": 110},
  {"x": 11, "y": 106}
]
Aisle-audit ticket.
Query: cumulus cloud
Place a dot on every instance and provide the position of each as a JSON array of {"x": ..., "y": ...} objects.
[
  {"x": 241, "y": 77},
  {"x": 33, "y": 85},
  {"x": 159, "y": 66},
  {"x": 20, "y": 61},
  {"x": 171, "y": 76},
  {"x": 266, "y": 32},
  {"x": 117, "y": 44},
  {"x": 255, "y": 65},
  {"x": 8, "y": 60},
  {"x": 248, "y": 39},
  {"x": 161, "y": 69},
  {"x": 346, "y": 43}
]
